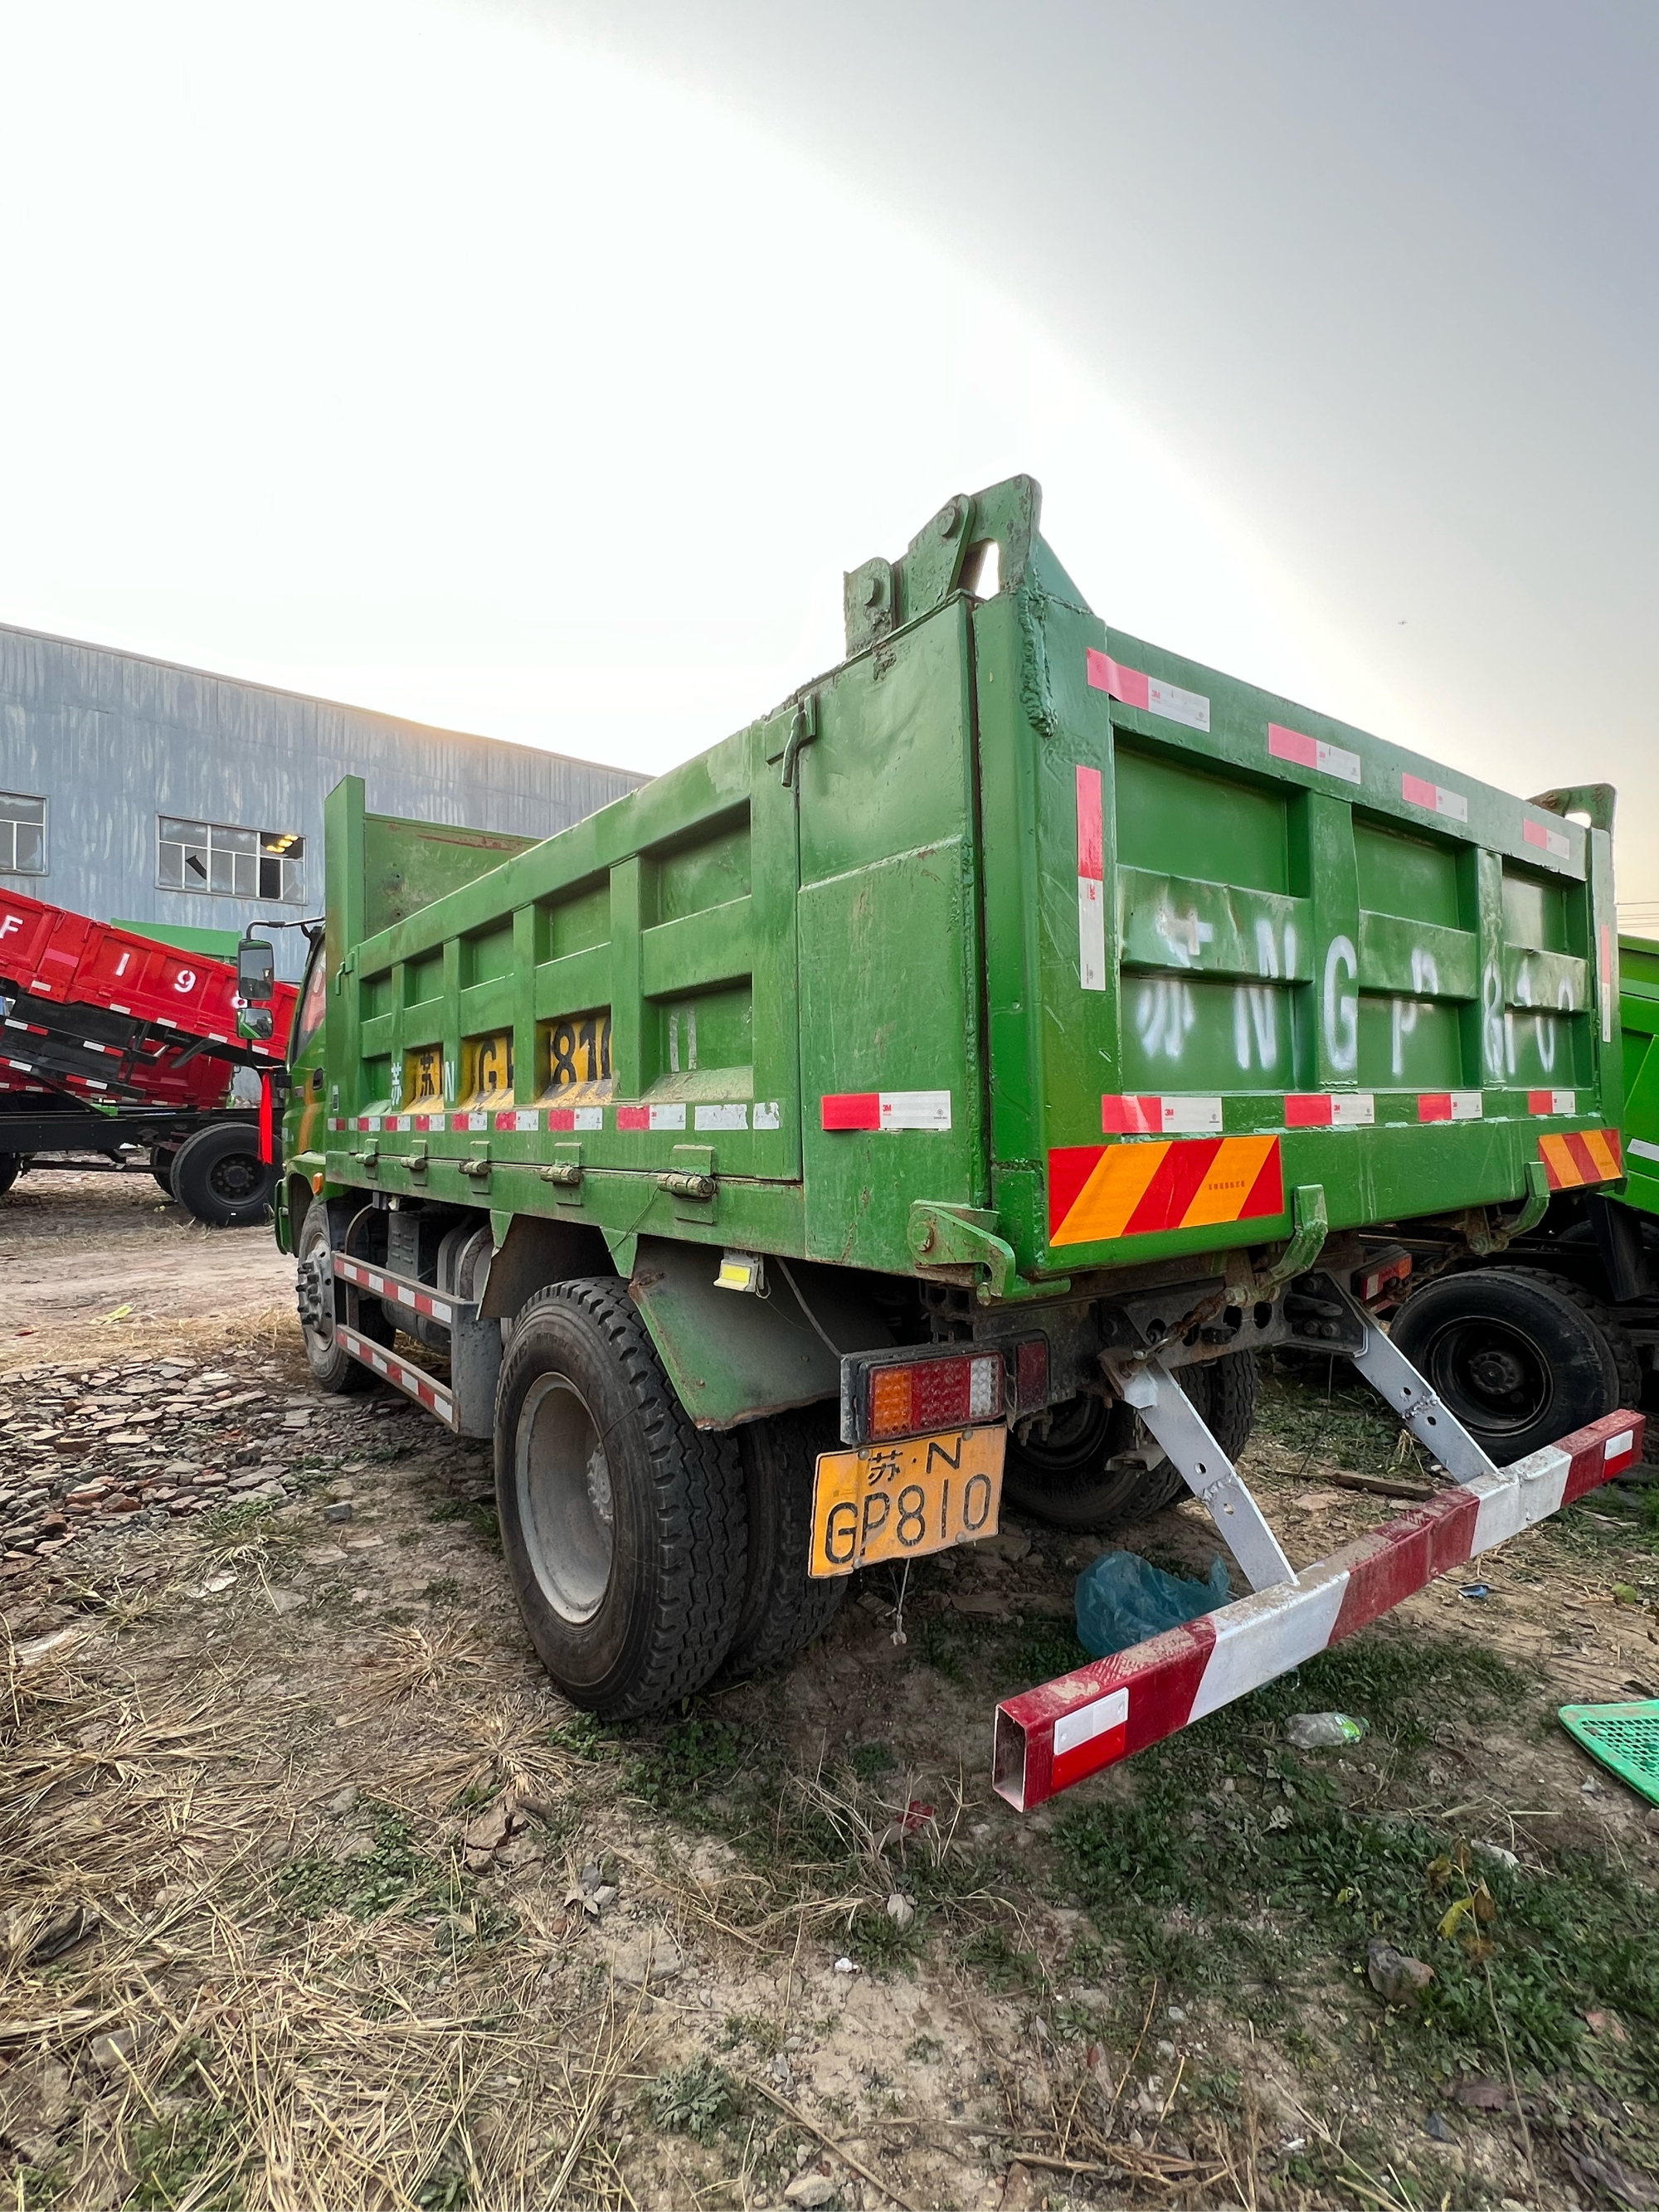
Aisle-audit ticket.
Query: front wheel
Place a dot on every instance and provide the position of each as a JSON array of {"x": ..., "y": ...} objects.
[
  {"x": 1521, "y": 1356},
  {"x": 624, "y": 1527},
  {"x": 322, "y": 1302}
]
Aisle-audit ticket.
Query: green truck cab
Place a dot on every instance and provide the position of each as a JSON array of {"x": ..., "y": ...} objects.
[{"x": 867, "y": 1119}]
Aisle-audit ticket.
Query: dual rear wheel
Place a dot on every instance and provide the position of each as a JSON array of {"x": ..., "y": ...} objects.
[{"x": 646, "y": 1555}]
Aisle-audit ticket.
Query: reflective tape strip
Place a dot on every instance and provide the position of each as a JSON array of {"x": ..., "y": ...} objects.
[
  {"x": 1150, "y": 693},
  {"x": 1090, "y": 882},
  {"x": 719, "y": 1117},
  {"x": 1314, "y": 752},
  {"x": 1578, "y": 1157},
  {"x": 885, "y": 1109},
  {"x": 1549, "y": 841},
  {"x": 646, "y": 1117},
  {"x": 1417, "y": 791},
  {"x": 409, "y": 1379},
  {"x": 1642, "y": 1148},
  {"x": 1330, "y": 1109},
  {"x": 519, "y": 1118},
  {"x": 1551, "y": 1101},
  {"x": 1052, "y": 1736},
  {"x": 1450, "y": 1106},
  {"x": 1605, "y": 944},
  {"x": 1176, "y": 1116},
  {"x": 388, "y": 1286},
  {"x": 1099, "y": 1192}
]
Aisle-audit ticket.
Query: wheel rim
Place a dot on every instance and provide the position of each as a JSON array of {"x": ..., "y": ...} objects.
[
  {"x": 1076, "y": 1440},
  {"x": 564, "y": 1497},
  {"x": 313, "y": 1261},
  {"x": 236, "y": 1178},
  {"x": 1492, "y": 1375}
]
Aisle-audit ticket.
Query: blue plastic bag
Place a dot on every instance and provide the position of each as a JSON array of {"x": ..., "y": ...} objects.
[{"x": 1122, "y": 1600}]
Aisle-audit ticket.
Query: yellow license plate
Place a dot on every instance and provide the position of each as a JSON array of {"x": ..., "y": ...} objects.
[{"x": 901, "y": 1501}]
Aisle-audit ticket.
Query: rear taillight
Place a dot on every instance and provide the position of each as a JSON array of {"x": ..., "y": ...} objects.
[
  {"x": 886, "y": 1397},
  {"x": 1384, "y": 1271}
]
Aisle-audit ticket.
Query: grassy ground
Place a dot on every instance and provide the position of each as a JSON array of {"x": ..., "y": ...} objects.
[{"x": 389, "y": 1924}]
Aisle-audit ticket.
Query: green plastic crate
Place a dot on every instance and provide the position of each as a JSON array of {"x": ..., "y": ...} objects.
[{"x": 1623, "y": 1737}]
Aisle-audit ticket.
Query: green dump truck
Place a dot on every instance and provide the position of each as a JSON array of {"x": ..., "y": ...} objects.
[
  {"x": 1562, "y": 1323},
  {"x": 936, "y": 1092}
]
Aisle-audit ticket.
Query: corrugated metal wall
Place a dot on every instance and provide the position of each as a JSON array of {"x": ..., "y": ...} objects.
[{"x": 113, "y": 742}]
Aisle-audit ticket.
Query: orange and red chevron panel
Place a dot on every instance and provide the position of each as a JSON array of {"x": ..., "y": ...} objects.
[
  {"x": 1101, "y": 1191},
  {"x": 1581, "y": 1156}
]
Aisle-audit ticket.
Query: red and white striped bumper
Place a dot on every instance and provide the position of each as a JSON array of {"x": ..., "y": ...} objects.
[{"x": 1048, "y": 1738}]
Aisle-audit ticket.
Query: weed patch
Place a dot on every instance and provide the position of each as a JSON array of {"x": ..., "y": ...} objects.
[{"x": 394, "y": 1872}]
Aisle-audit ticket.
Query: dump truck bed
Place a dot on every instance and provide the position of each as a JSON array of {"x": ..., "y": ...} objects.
[{"x": 1012, "y": 950}]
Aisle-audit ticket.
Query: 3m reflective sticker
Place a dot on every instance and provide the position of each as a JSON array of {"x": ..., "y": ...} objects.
[
  {"x": 1150, "y": 693},
  {"x": 1642, "y": 1148},
  {"x": 1089, "y": 1737},
  {"x": 767, "y": 1114},
  {"x": 590, "y": 1117},
  {"x": 1551, "y": 1101},
  {"x": 1180, "y": 1115},
  {"x": 668, "y": 1117},
  {"x": 1578, "y": 1157},
  {"x": 1091, "y": 885},
  {"x": 1313, "y": 752},
  {"x": 1608, "y": 990},
  {"x": 1449, "y": 1106},
  {"x": 719, "y": 1117},
  {"x": 1330, "y": 1109},
  {"x": 915, "y": 1109},
  {"x": 1417, "y": 791},
  {"x": 1099, "y": 1192},
  {"x": 1549, "y": 841},
  {"x": 1266, "y": 1634},
  {"x": 633, "y": 1117}
]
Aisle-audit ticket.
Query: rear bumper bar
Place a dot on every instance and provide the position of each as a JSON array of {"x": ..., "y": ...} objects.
[{"x": 1050, "y": 1738}]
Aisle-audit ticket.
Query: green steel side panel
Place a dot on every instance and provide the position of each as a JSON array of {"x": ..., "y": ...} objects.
[
  {"x": 1004, "y": 912},
  {"x": 1638, "y": 1015}
]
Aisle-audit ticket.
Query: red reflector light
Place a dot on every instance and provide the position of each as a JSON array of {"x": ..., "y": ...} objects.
[
  {"x": 954, "y": 1392},
  {"x": 1031, "y": 1374},
  {"x": 1370, "y": 1282}
]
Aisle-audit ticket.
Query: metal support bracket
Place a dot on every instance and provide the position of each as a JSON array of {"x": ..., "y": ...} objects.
[
  {"x": 1392, "y": 1375},
  {"x": 958, "y": 1237},
  {"x": 1485, "y": 1235},
  {"x": 1309, "y": 1227},
  {"x": 1170, "y": 1414}
]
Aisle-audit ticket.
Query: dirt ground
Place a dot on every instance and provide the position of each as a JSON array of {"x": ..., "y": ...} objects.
[{"x": 312, "y": 1893}]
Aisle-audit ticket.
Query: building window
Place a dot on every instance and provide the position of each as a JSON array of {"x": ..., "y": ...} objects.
[
  {"x": 23, "y": 835},
  {"x": 206, "y": 856}
]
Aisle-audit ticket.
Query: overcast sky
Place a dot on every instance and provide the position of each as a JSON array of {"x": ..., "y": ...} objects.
[{"x": 536, "y": 366}]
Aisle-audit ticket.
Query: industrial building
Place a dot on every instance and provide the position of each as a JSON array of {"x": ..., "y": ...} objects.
[{"x": 135, "y": 790}]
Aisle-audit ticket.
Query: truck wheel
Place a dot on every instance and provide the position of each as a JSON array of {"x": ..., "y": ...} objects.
[
  {"x": 322, "y": 1302},
  {"x": 624, "y": 1527},
  {"x": 218, "y": 1175},
  {"x": 161, "y": 1166},
  {"x": 1066, "y": 1479},
  {"x": 784, "y": 1609},
  {"x": 1520, "y": 1356},
  {"x": 10, "y": 1166}
]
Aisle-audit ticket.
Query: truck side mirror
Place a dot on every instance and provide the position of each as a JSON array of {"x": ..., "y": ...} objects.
[
  {"x": 257, "y": 1023},
  {"x": 256, "y": 971}
]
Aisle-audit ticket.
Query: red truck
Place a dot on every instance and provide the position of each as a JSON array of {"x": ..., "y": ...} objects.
[{"x": 119, "y": 1044}]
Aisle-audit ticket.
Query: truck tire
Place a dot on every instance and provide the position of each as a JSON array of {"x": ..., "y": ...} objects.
[
  {"x": 784, "y": 1608},
  {"x": 10, "y": 1167},
  {"x": 322, "y": 1302},
  {"x": 218, "y": 1175},
  {"x": 1065, "y": 1479},
  {"x": 161, "y": 1166},
  {"x": 1520, "y": 1356},
  {"x": 624, "y": 1527}
]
